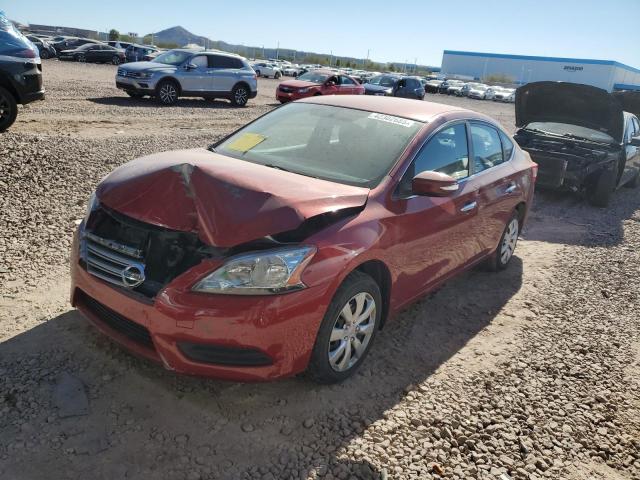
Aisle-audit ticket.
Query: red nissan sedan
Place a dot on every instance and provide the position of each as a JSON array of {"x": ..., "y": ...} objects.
[
  {"x": 286, "y": 246},
  {"x": 318, "y": 82}
]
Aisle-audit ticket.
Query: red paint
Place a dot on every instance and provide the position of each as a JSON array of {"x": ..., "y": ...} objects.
[
  {"x": 422, "y": 241},
  {"x": 297, "y": 89}
]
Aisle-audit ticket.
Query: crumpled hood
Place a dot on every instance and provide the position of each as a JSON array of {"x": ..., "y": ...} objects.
[
  {"x": 225, "y": 201},
  {"x": 570, "y": 103},
  {"x": 141, "y": 66}
]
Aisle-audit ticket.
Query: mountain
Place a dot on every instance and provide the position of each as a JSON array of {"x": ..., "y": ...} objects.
[{"x": 180, "y": 36}]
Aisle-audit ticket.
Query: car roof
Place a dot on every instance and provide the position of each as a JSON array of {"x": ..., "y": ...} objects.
[
  {"x": 399, "y": 107},
  {"x": 217, "y": 52}
]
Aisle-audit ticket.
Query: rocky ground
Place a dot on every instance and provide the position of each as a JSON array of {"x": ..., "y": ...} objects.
[{"x": 529, "y": 373}]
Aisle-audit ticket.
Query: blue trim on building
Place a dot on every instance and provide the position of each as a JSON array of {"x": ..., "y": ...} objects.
[
  {"x": 625, "y": 86},
  {"x": 543, "y": 59}
]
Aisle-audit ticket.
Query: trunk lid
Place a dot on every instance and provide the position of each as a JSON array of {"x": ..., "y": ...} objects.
[
  {"x": 225, "y": 201},
  {"x": 569, "y": 103}
]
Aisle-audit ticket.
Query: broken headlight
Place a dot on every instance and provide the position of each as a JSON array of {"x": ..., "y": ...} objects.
[{"x": 259, "y": 273}]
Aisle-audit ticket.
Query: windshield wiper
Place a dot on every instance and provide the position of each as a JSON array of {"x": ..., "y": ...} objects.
[{"x": 278, "y": 167}]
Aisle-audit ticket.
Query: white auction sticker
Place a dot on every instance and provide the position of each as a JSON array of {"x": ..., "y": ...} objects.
[{"x": 391, "y": 119}]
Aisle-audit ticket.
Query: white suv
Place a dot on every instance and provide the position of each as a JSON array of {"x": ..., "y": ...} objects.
[
  {"x": 264, "y": 69},
  {"x": 189, "y": 73}
]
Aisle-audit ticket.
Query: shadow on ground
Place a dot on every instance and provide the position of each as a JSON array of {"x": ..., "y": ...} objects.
[
  {"x": 195, "y": 102},
  {"x": 149, "y": 423}
]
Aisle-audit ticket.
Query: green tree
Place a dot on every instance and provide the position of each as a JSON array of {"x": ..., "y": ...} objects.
[
  {"x": 147, "y": 39},
  {"x": 114, "y": 34}
]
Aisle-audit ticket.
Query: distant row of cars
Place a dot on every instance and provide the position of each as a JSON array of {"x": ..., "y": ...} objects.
[{"x": 476, "y": 90}]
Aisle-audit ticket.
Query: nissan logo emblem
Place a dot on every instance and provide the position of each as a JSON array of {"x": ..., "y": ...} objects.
[{"x": 133, "y": 275}]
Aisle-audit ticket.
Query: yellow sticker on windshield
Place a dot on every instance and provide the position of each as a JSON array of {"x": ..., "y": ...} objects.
[{"x": 246, "y": 142}]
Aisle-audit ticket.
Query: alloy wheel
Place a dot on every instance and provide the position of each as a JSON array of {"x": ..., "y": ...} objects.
[
  {"x": 241, "y": 96},
  {"x": 115, "y": 60},
  {"x": 509, "y": 241},
  {"x": 82, "y": 58},
  {"x": 168, "y": 93},
  {"x": 352, "y": 332}
]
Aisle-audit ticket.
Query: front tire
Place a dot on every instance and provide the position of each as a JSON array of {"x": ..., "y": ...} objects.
[
  {"x": 115, "y": 60},
  {"x": 8, "y": 109},
  {"x": 347, "y": 330},
  {"x": 257, "y": 73},
  {"x": 81, "y": 58},
  {"x": 600, "y": 189},
  {"x": 503, "y": 254},
  {"x": 44, "y": 55},
  {"x": 277, "y": 75},
  {"x": 167, "y": 92},
  {"x": 239, "y": 95}
]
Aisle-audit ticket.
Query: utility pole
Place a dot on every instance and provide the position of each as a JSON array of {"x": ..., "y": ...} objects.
[
  {"x": 415, "y": 65},
  {"x": 331, "y": 60}
]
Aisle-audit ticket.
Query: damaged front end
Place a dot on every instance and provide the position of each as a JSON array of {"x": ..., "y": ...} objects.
[{"x": 565, "y": 163}]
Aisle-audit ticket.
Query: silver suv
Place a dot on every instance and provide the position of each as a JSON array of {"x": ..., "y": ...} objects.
[{"x": 189, "y": 73}]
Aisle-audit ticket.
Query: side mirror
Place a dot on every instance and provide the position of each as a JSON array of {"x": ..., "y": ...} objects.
[
  {"x": 190, "y": 66},
  {"x": 635, "y": 141},
  {"x": 434, "y": 184}
]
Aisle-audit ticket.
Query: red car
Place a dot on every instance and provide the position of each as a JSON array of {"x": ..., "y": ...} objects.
[
  {"x": 286, "y": 246},
  {"x": 318, "y": 82}
]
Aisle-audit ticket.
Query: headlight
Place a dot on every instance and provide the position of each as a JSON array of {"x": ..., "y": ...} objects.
[
  {"x": 91, "y": 206},
  {"x": 259, "y": 273},
  {"x": 145, "y": 75},
  {"x": 303, "y": 90}
]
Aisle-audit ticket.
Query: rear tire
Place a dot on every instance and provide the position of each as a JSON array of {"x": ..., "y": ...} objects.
[
  {"x": 167, "y": 92},
  {"x": 239, "y": 95},
  {"x": 600, "y": 189},
  {"x": 347, "y": 330},
  {"x": 8, "y": 109},
  {"x": 503, "y": 254},
  {"x": 277, "y": 75},
  {"x": 115, "y": 60},
  {"x": 257, "y": 73},
  {"x": 44, "y": 55},
  {"x": 81, "y": 58}
]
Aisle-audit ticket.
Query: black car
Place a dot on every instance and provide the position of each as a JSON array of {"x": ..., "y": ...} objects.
[
  {"x": 580, "y": 136},
  {"x": 45, "y": 49},
  {"x": 71, "y": 43},
  {"x": 95, "y": 53},
  {"x": 395, "y": 86},
  {"x": 138, "y": 53},
  {"x": 20, "y": 73}
]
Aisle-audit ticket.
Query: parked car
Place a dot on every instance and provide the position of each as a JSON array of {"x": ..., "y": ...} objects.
[
  {"x": 287, "y": 245},
  {"x": 45, "y": 49},
  {"x": 580, "y": 137},
  {"x": 315, "y": 83},
  {"x": 444, "y": 86},
  {"x": 491, "y": 92},
  {"x": 479, "y": 92},
  {"x": 507, "y": 95},
  {"x": 137, "y": 53},
  {"x": 94, "y": 53},
  {"x": 267, "y": 70},
  {"x": 291, "y": 70},
  {"x": 395, "y": 86},
  {"x": 20, "y": 72},
  {"x": 432, "y": 85},
  {"x": 71, "y": 43},
  {"x": 188, "y": 73},
  {"x": 455, "y": 89},
  {"x": 119, "y": 44}
]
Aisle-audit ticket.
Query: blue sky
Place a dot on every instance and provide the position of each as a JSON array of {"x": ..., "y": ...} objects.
[{"x": 390, "y": 30}]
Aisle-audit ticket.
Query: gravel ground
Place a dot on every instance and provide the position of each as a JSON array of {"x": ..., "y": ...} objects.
[{"x": 529, "y": 373}]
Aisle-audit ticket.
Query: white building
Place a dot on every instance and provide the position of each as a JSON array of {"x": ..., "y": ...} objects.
[{"x": 521, "y": 69}]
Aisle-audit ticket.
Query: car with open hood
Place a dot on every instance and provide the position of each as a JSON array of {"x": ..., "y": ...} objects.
[
  {"x": 287, "y": 245},
  {"x": 318, "y": 82},
  {"x": 581, "y": 137}
]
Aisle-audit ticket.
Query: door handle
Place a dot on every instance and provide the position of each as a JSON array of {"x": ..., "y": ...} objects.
[
  {"x": 510, "y": 189},
  {"x": 469, "y": 207}
]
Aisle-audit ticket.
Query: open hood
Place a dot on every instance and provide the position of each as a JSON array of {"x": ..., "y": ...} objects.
[
  {"x": 300, "y": 84},
  {"x": 225, "y": 201},
  {"x": 569, "y": 103},
  {"x": 630, "y": 101}
]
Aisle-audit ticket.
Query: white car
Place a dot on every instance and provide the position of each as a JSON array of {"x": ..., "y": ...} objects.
[
  {"x": 478, "y": 92},
  {"x": 491, "y": 92},
  {"x": 264, "y": 69},
  {"x": 507, "y": 95},
  {"x": 291, "y": 70}
]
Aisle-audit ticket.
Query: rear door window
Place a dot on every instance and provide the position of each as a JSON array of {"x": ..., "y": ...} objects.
[{"x": 220, "y": 61}]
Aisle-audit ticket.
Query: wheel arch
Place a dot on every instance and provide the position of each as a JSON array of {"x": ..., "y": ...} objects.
[
  {"x": 381, "y": 274},
  {"x": 242, "y": 83},
  {"x": 6, "y": 83},
  {"x": 521, "y": 208},
  {"x": 174, "y": 80}
]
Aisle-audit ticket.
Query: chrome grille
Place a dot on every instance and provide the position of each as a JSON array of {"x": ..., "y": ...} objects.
[
  {"x": 124, "y": 73},
  {"x": 112, "y": 261}
]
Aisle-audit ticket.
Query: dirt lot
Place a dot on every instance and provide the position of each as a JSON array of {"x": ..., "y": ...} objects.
[{"x": 532, "y": 372}]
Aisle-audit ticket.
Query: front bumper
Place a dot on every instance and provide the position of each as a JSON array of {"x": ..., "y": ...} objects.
[
  {"x": 251, "y": 338},
  {"x": 138, "y": 85}
]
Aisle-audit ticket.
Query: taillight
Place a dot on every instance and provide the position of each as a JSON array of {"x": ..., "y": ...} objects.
[{"x": 534, "y": 171}]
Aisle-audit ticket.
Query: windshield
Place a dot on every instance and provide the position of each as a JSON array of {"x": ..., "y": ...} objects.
[
  {"x": 313, "y": 77},
  {"x": 342, "y": 145},
  {"x": 383, "y": 81},
  {"x": 565, "y": 129},
  {"x": 172, "y": 57}
]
